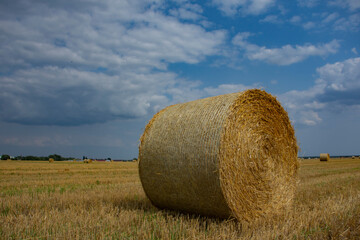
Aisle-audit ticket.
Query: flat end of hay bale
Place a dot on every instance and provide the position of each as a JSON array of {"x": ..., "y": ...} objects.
[{"x": 258, "y": 156}]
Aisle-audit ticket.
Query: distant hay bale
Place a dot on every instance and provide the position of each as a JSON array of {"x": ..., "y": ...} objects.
[
  {"x": 51, "y": 160},
  {"x": 353, "y": 157},
  {"x": 324, "y": 157},
  {"x": 229, "y": 155}
]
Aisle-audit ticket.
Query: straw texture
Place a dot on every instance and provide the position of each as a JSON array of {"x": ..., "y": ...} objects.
[
  {"x": 324, "y": 157},
  {"x": 229, "y": 155}
]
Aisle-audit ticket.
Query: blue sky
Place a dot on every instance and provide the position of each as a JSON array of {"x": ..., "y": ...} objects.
[{"x": 83, "y": 77}]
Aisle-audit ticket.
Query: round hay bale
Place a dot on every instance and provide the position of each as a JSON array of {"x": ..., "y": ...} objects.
[
  {"x": 324, "y": 157},
  {"x": 229, "y": 155},
  {"x": 51, "y": 160}
]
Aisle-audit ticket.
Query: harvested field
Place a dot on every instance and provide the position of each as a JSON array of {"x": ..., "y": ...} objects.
[{"x": 67, "y": 200}]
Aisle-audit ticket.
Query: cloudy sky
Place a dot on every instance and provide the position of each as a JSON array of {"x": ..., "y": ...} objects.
[{"x": 83, "y": 77}]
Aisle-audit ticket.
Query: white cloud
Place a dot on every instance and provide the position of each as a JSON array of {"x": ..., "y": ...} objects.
[
  {"x": 309, "y": 25},
  {"x": 127, "y": 37},
  {"x": 252, "y": 7},
  {"x": 285, "y": 55},
  {"x": 185, "y": 14},
  {"x": 331, "y": 17},
  {"x": 260, "y": 6},
  {"x": 351, "y": 23},
  {"x": 336, "y": 89},
  {"x": 354, "y": 51},
  {"x": 341, "y": 76},
  {"x": 352, "y": 5},
  {"x": 299, "y": 103},
  {"x": 271, "y": 19},
  {"x": 310, "y": 118},
  {"x": 308, "y": 3},
  {"x": 303, "y": 106},
  {"x": 188, "y": 11},
  {"x": 94, "y": 62},
  {"x": 326, "y": 21},
  {"x": 295, "y": 19}
]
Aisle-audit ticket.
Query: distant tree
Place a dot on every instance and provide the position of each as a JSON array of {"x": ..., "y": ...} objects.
[
  {"x": 56, "y": 157},
  {"x": 5, "y": 157},
  {"x": 108, "y": 158},
  {"x": 29, "y": 157}
]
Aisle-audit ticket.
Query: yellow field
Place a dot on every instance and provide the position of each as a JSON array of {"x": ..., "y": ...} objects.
[{"x": 66, "y": 200}]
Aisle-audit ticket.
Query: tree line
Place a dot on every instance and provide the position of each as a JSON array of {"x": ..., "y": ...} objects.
[{"x": 56, "y": 157}]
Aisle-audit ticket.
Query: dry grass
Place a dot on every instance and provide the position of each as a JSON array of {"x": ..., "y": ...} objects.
[{"x": 67, "y": 200}]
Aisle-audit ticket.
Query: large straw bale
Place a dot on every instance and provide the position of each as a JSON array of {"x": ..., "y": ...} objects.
[
  {"x": 324, "y": 157},
  {"x": 229, "y": 155}
]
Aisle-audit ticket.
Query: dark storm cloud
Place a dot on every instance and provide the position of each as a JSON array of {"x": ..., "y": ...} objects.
[{"x": 349, "y": 97}]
